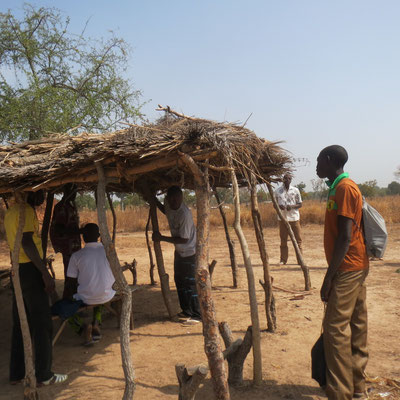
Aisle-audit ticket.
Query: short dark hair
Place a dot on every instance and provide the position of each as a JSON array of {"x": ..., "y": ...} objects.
[
  {"x": 174, "y": 190},
  {"x": 336, "y": 154},
  {"x": 90, "y": 232}
]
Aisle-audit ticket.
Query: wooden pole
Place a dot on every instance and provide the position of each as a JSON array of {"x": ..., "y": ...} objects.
[
  {"x": 235, "y": 353},
  {"x": 267, "y": 284},
  {"x": 189, "y": 380},
  {"x": 212, "y": 341},
  {"x": 110, "y": 203},
  {"x": 164, "y": 277},
  {"x": 304, "y": 268},
  {"x": 123, "y": 287},
  {"x": 231, "y": 244},
  {"x": 46, "y": 222},
  {"x": 30, "y": 391},
  {"x": 257, "y": 360},
  {"x": 152, "y": 281}
]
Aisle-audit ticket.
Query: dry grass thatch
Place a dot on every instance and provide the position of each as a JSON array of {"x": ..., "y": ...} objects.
[{"x": 149, "y": 154}]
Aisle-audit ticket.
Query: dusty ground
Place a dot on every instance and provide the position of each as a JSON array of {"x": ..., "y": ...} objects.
[{"x": 158, "y": 344}]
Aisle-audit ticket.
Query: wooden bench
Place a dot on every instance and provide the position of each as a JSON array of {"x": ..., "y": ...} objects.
[{"x": 114, "y": 306}]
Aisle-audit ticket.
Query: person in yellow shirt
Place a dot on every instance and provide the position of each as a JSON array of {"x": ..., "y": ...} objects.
[{"x": 36, "y": 285}]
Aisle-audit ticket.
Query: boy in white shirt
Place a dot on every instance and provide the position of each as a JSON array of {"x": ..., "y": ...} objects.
[{"x": 90, "y": 271}]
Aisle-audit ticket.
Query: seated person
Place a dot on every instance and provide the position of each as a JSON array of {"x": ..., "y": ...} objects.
[{"x": 91, "y": 281}]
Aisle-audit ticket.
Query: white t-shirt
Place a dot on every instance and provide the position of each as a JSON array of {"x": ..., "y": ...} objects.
[
  {"x": 181, "y": 225},
  {"x": 95, "y": 279},
  {"x": 289, "y": 197}
]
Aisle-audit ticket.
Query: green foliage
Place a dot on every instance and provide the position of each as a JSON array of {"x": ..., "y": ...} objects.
[
  {"x": 369, "y": 188},
  {"x": 189, "y": 197},
  {"x": 133, "y": 200},
  {"x": 263, "y": 196},
  {"x": 320, "y": 190},
  {"x": 59, "y": 80},
  {"x": 393, "y": 188},
  {"x": 85, "y": 200}
]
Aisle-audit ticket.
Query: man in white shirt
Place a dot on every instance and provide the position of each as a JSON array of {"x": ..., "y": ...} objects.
[
  {"x": 289, "y": 201},
  {"x": 183, "y": 236},
  {"x": 89, "y": 269}
]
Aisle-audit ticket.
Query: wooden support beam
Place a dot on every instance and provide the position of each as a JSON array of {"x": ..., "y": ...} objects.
[
  {"x": 152, "y": 265},
  {"x": 189, "y": 380},
  {"x": 164, "y": 277},
  {"x": 304, "y": 268},
  {"x": 30, "y": 390},
  {"x": 231, "y": 243},
  {"x": 235, "y": 353},
  {"x": 114, "y": 216},
  {"x": 122, "y": 285},
  {"x": 46, "y": 222},
  {"x": 212, "y": 342},
  {"x": 257, "y": 359},
  {"x": 270, "y": 310}
]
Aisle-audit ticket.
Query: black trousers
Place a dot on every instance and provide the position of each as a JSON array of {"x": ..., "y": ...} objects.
[
  {"x": 38, "y": 313},
  {"x": 185, "y": 282}
]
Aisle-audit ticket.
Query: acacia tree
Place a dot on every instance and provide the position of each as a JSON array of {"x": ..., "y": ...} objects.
[{"x": 52, "y": 80}]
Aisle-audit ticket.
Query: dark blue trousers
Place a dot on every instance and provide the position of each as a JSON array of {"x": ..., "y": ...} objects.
[
  {"x": 39, "y": 319},
  {"x": 185, "y": 282}
]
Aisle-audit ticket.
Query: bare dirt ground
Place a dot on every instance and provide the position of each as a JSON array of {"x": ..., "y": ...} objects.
[{"x": 158, "y": 344}]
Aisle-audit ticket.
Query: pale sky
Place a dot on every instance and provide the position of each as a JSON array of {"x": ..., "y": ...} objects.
[{"x": 312, "y": 73}]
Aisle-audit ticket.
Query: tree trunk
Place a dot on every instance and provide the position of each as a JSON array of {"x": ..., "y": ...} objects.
[
  {"x": 267, "y": 284},
  {"x": 235, "y": 353},
  {"x": 189, "y": 380},
  {"x": 152, "y": 280},
  {"x": 164, "y": 277},
  {"x": 30, "y": 391},
  {"x": 257, "y": 360},
  {"x": 123, "y": 287},
  {"x": 113, "y": 215},
  {"x": 231, "y": 244},
  {"x": 212, "y": 342},
  {"x": 304, "y": 268}
]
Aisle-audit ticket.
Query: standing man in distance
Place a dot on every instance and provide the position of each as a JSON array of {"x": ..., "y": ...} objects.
[
  {"x": 289, "y": 201},
  {"x": 343, "y": 288},
  {"x": 183, "y": 236},
  {"x": 36, "y": 284}
]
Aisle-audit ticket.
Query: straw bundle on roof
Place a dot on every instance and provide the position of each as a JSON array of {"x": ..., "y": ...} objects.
[{"x": 148, "y": 154}]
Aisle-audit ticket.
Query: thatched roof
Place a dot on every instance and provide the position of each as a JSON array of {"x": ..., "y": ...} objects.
[{"x": 149, "y": 154}]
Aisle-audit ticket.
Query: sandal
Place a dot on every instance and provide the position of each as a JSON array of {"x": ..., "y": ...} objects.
[
  {"x": 55, "y": 379},
  {"x": 96, "y": 335}
]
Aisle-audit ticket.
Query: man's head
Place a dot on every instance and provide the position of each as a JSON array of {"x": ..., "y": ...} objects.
[
  {"x": 331, "y": 160},
  {"x": 90, "y": 233},
  {"x": 287, "y": 179},
  {"x": 35, "y": 199},
  {"x": 174, "y": 197},
  {"x": 69, "y": 191}
]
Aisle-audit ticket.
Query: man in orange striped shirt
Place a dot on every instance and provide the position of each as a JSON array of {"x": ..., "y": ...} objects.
[{"x": 343, "y": 289}]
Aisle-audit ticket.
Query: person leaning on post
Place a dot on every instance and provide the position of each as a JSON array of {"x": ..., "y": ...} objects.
[{"x": 36, "y": 285}]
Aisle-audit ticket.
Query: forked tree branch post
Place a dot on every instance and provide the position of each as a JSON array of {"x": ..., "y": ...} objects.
[
  {"x": 114, "y": 216},
  {"x": 212, "y": 341},
  {"x": 231, "y": 244},
  {"x": 270, "y": 310},
  {"x": 257, "y": 359},
  {"x": 30, "y": 390},
  {"x": 236, "y": 352},
  {"x": 164, "y": 277},
  {"x": 151, "y": 260},
  {"x": 304, "y": 268},
  {"x": 189, "y": 380},
  {"x": 123, "y": 287}
]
